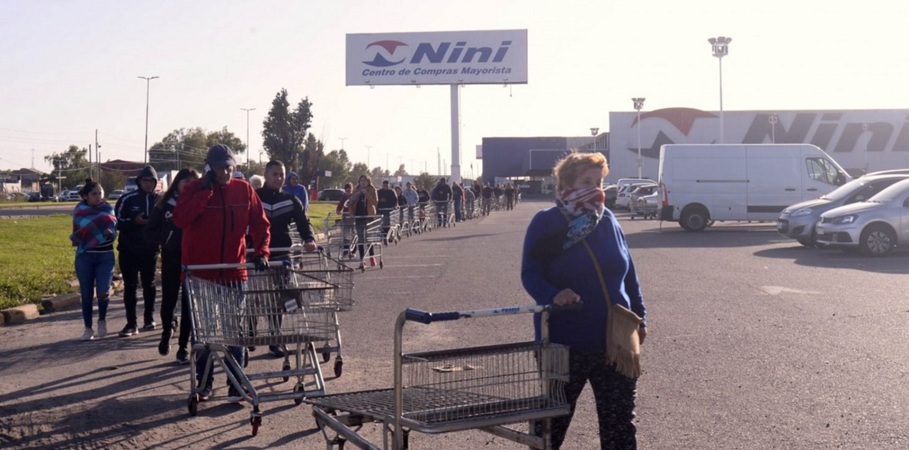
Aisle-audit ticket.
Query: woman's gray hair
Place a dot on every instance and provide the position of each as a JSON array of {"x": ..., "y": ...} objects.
[{"x": 257, "y": 181}]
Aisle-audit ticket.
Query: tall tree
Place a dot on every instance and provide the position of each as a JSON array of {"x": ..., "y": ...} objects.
[
  {"x": 187, "y": 148},
  {"x": 311, "y": 159},
  {"x": 337, "y": 163},
  {"x": 284, "y": 131},
  {"x": 401, "y": 171},
  {"x": 357, "y": 170},
  {"x": 71, "y": 165}
]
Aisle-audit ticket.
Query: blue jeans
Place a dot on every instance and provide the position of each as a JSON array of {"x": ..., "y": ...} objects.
[{"x": 94, "y": 269}]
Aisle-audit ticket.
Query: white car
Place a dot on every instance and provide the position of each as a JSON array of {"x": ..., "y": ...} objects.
[{"x": 875, "y": 226}]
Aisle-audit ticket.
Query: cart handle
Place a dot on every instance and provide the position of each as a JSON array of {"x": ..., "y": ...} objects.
[
  {"x": 192, "y": 267},
  {"x": 425, "y": 317}
]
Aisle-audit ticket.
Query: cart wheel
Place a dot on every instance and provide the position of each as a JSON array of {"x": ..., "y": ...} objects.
[
  {"x": 297, "y": 389},
  {"x": 381, "y": 264},
  {"x": 256, "y": 422},
  {"x": 285, "y": 368},
  {"x": 193, "y": 405},
  {"x": 339, "y": 367},
  {"x": 326, "y": 355}
]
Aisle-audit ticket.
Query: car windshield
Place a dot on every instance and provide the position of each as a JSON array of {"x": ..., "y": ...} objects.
[
  {"x": 845, "y": 190},
  {"x": 893, "y": 192}
]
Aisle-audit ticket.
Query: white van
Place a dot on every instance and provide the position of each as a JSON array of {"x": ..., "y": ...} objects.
[{"x": 755, "y": 182}]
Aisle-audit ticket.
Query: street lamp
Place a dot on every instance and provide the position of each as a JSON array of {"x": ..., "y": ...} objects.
[
  {"x": 247, "y": 138},
  {"x": 368, "y": 148},
  {"x": 147, "y": 88},
  {"x": 720, "y": 49},
  {"x": 593, "y": 132},
  {"x": 773, "y": 120},
  {"x": 638, "y": 104}
]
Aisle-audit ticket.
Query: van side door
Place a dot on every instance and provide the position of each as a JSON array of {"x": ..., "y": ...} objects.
[{"x": 774, "y": 182}]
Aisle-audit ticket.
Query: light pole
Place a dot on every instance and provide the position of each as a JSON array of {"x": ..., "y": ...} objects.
[
  {"x": 147, "y": 89},
  {"x": 247, "y": 138},
  {"x": 865, "y": 127},
  {"x": 720, "y": 49},
  {"x": 773, "y": 120},
  {"x": 638, "y": 104},
  {"x": 593, "y": 132},
  {"x": 368, "y": 148}
]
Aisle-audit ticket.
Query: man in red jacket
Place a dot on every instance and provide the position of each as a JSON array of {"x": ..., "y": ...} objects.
[{"x": 215, "y": 213}]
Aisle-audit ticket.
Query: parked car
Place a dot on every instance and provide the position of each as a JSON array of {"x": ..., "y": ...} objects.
[
  {"x": 798, "y": 221},
  {"x": 612, "y": 192},
  {"x": 330, "y": 195},
  {"x": 873, "y": 227},
  {"x": 115, "y": 194},
  {"x": 34, "y": 196},
  {"x": 623, "y": 199}
]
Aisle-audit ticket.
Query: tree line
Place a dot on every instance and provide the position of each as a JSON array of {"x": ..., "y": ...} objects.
[{"x": 285, "y": 135}]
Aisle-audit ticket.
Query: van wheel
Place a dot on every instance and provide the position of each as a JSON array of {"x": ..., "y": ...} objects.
[
  {"x": 694, "y": 219},
  {"x": 877, "y": 240}
]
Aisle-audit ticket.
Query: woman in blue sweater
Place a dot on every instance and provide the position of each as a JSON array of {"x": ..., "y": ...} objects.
[{"x": 557, "y": 269}]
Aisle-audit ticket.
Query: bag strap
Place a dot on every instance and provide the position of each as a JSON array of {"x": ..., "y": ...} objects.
[
  {"x": 602, "y": 279},
  {"x": 596, "y": 264}
]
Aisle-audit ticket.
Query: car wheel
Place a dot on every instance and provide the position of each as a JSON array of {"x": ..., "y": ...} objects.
[
  {"x": 694, "y": 219},
  {"x": 877, "y": 240}
]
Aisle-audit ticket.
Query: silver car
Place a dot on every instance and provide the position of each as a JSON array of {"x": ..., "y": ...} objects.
[
  {"x": 874, "y": 227},
  {"x": 798, "y": 221}
]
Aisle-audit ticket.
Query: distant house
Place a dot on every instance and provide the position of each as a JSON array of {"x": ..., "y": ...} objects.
[{"x": 29, "y": 180}]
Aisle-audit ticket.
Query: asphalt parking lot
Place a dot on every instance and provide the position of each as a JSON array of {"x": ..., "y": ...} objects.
[{"x": 754, "y": 343}]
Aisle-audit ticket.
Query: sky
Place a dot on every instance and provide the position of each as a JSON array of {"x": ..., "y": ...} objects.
[{"x": 69, "y": 68}]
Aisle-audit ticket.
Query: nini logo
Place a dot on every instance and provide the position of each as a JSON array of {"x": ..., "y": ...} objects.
[
  {"x": 379, "y": 60},
  {"x": 444, "y": 53}
]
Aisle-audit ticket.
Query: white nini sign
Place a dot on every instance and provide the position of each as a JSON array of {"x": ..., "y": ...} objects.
[{"x": 449, "y": 57}]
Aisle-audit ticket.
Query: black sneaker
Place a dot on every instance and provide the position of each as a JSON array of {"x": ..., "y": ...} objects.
[
  {"x": 204, "y": 393},
  {"x": 149, "y": 326},
  {"x": 182, "y": 357},
  {"x": 277, "y": 351},
  {"x": 164, "y": 345},
  {"x": 128, "y": 330}
]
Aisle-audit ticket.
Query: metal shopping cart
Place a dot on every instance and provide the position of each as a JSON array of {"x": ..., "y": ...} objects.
[
  {"x": 444, "y": 391},
  {"x": 279, "y": 306},
  {"x": 348, "y": 234}
]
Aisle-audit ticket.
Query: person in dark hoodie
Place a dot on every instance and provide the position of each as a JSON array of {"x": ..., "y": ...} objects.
[
  {"x": 138, "y": 255},
  {"x": 161, "y": 228},
  {"x": 282, "y": 210},
  {"x": 298, "y": 190}
]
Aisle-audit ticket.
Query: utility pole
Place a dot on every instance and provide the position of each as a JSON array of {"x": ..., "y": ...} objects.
[
  {"x": 147, "y": 90},
  {"x": 97, "y": 154},
  {"x": 248, "y": 172}
]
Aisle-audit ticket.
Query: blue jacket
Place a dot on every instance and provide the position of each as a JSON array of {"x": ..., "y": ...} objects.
[
  {"x": 546, "y": 269},
  {"x": 298, "y": 191}
]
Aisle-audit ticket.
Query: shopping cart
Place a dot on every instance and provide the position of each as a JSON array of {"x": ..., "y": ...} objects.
[
  {"x": 279, "y": 306},
  {"x": 444, "y": 391}
]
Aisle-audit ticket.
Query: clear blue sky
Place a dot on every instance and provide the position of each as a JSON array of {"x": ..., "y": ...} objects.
[{"x": 70, "y": 67}]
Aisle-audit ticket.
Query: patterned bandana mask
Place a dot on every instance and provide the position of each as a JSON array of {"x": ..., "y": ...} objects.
[{"x": 583, "y": 208}]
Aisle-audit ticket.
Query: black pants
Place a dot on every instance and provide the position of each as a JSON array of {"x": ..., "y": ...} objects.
[
  {"x": 614, "y": 395},
  {"x": 131, "y": 267},
  {"x": 360, "y": 224},
  {"x": 170, "y": 292}
]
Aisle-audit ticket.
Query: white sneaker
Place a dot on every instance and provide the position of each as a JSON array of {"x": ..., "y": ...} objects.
[
  {"x": 102, "y": 329},
  {"x": 88, "y": 334}
]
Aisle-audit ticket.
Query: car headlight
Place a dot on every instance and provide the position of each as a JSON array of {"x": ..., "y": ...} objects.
[
  {"x": 801, "y": 212},
  {"x": 842, "y": 220}
]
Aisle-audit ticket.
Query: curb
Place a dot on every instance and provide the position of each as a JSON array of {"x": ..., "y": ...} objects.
[
  {"x": 61, "y": 303},
  {"x": 20, "y": 314}
]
